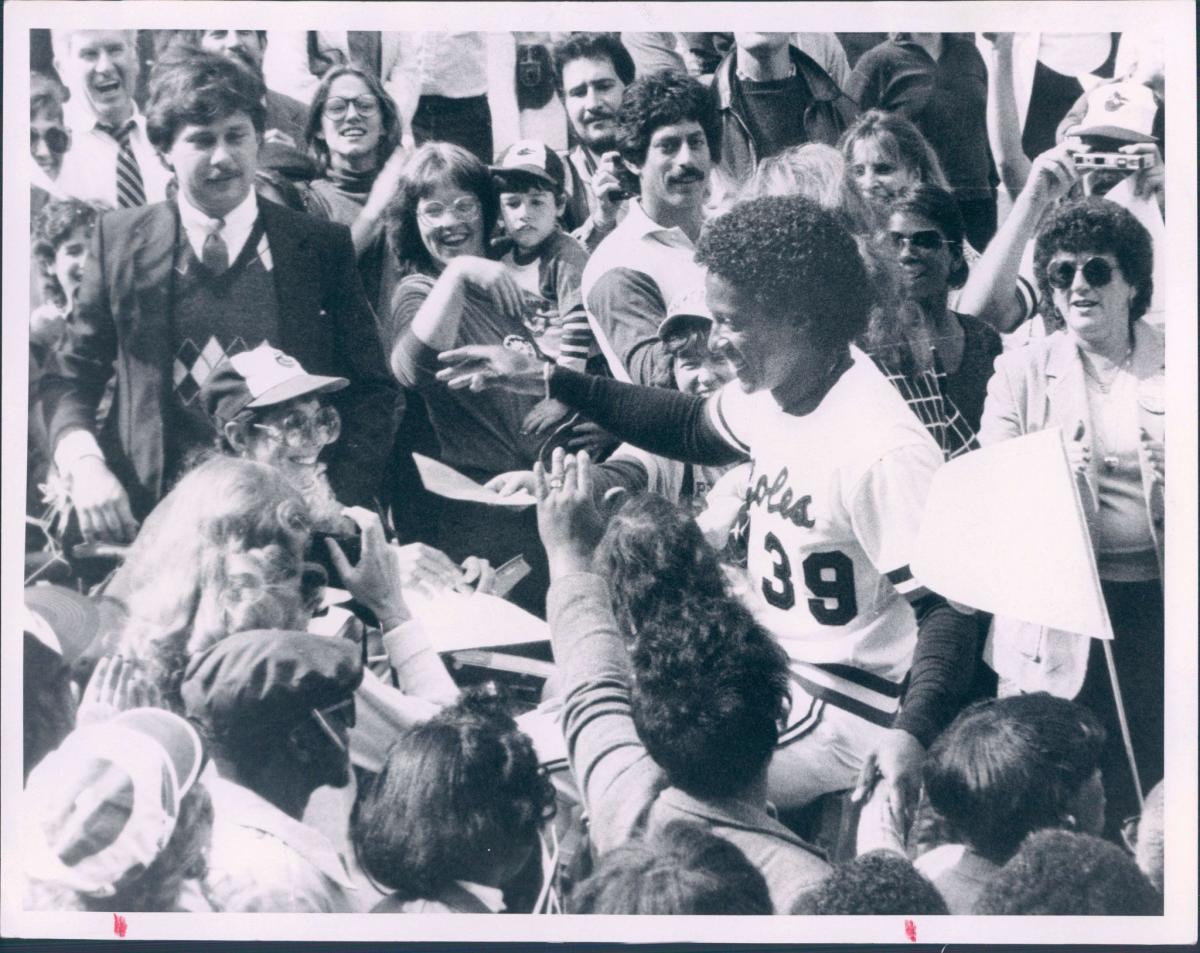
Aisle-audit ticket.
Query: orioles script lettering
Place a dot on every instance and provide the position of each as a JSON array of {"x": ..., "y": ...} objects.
[{"x": 779, "y": 499}]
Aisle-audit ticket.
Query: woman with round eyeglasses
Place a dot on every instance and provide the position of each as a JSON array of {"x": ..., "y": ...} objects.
[
  {"x": 1101, "y": 380},
  {"x": 940, "y": 360},
  {"x": 453, "y": 294},
  {"x": 353, "y": 135}
]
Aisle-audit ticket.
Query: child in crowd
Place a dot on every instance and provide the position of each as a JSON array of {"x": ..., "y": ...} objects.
[
  {"x": 546, "y": 262},
  {"x": 49, "y": 138},
  {"x": 62, "y": 233}
]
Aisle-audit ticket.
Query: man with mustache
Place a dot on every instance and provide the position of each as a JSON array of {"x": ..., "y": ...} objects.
[
  {"x": 668, "y": 135},
  {"x": 592, "y": 70},
  {"x": 111, "y": 160},
  {"x": 171, "y": 289}
]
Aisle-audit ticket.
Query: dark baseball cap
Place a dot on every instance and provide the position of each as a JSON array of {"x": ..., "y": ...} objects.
[
  {"x": 256, "y": 686},
  {"x": 531, "y": 158}
]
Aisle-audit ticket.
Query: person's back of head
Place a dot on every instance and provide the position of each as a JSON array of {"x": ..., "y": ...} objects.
[
  {"x": 813, "y": 170},
  {"x": 879, "y": 883},
  {"x": 1061, "y": 873},
  {"x": 461, "y": 797},
  {"x": 1009, "y": 766},
  {"x": 681, "y": 869}
]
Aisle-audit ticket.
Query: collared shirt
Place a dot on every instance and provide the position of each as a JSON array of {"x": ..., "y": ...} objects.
[
  {"x": 490, "y": 897},
  {"x": 262, "y": 860},
  {"x": 238, "y": 224},
  {"x": 89, "y": 170},
  {"x": 629, "y": 281}
]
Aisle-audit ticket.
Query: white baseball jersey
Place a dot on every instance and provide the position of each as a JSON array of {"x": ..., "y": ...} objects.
[{"x": 836, "y": 498}]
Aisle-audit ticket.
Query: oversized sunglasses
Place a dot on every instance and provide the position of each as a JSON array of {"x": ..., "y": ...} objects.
[
  {"x": 1096, "y": 272},
  {"x": 336, "y": 107},
  {"x": 927, "y": 239},
  {"x": 466, "y": 207},
  {"x": 298, "y": 429},
  {"x": 57, "y": 140}
]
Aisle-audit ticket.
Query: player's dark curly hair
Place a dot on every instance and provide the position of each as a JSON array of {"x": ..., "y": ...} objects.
[
  {"x": 1096, "y": 225},
  {"x": 1009, "y": 766},
  {"x": 1061, "y": 873},
  {"x": 710, "y": 686},
  {"x": 682, "y": 869},
  {"x": 192, "y": 87},
  {"x": 593, "y": 46},
  {"x": 797, "y": 259},
  {"x": 431, "y": 166},
  {"x": 664, "y": 99},
  {"x": 879, "y": 883},
  {"x": 459, "y": 794}
]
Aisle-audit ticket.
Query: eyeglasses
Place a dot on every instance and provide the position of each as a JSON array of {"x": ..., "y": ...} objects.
[
  {"x": 335, "y": 106},
  {"x": 463, "y": 208},
  {"x": 299, "y": 429},
  {"x": 1097, "y": 272},
  {"x": 928, "y": 239},
  {"x": 57, "y": 140}
]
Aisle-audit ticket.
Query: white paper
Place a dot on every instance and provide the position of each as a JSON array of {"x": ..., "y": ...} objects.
[
  {"x": 457, "y": 620},
  {"x": 448, "y": 482},
  {"x": 1004, "y": 532}
]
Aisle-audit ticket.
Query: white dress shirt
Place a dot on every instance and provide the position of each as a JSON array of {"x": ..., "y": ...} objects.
[
  {"x": 238, "y": 225},
  {"x": 89, "y": 169}
]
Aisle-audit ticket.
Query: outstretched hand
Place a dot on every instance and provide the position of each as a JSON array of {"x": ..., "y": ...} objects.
[
  {"x": 568, "y": 521},
  {"x": 117, "y": 684},
  {"x": 481, "y": 366},
  {"x": 375, "y": 579}
]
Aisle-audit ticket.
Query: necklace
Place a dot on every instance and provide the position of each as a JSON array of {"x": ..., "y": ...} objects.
[{"x": 1094, "y": 372}]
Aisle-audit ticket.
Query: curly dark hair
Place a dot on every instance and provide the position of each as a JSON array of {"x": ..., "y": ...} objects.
[
  {"x": 1061, "y": 873},
  {"x": 664, "y": 99},
  {"x": 797, "y": 259},
  {"x": 593, "y": 46},
  {"x": 389, "y": 116},
  {"x": 879, "y": 883},
  {"x": 1096, "y": 225},
  {"x": 53, "y": 226},
  {"x": 430, "y": 166},
  {"x": 681, "y": 869},
  {"x": 192, "y": 87},
  {"x": 710, "y": 686},
  {"x": 460, "y": 794},
  {"x": 1009, "y": 766}
]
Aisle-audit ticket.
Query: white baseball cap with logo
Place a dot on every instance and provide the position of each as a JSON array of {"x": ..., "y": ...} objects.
[
  {"x": 261, "y": 377},
  {"x": 1124, "y": 111}
]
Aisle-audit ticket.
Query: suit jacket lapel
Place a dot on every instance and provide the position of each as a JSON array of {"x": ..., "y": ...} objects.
[
  {"x": 147, "y": 274},
  {"x": 297, "y": 276}
]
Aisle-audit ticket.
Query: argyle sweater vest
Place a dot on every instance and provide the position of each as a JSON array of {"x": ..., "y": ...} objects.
[{"x": 212, "y": 316}]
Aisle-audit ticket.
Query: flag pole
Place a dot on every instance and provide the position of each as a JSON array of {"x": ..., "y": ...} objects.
[{"x": 1123, "y": 721}]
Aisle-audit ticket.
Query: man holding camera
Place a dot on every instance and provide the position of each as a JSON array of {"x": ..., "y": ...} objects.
[{"x": 668, "y": 136}]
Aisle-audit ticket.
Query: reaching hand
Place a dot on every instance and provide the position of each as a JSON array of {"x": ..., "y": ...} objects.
[
  {"x": 568, "y": 521},
  {"x": 422, "y": 566},
  {"x": 480, "y": 366},
  {"x": 494, "y": 279},
  {"x": 477, "y": 575},
  {"x": 101, "y": 503},
  {"x": 117, "y": 684},
  {"x": 1053, "y": 172},
  {"x": 506, "y": 484},
  {"x": 546, "y": 415},
  {"x": 383, "y": 189},
  {"x": 375, "y": 579},
  {"x": 893, "y": 769},
  {"x": 609, "y": 192},
  {"x": 1151, "y": 181},
  {"x": 590, "y": 436}
]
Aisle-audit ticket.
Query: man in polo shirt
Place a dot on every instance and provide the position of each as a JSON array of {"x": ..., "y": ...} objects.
[
  {"x": 275, "y": 709},
  {"x": 668, "y": 135},
  {"x": 111, "y": 160},
  {"x": 169, "y": 290}
]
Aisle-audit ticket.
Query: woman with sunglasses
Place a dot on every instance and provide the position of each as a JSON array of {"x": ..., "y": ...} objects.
[
  {"x": 1101, "y": 380},
  {"x": 453, "y": 294},
  {"x": 938, "y": 359}
]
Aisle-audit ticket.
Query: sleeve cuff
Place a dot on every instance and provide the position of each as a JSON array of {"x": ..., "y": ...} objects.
[
  {"x": 73, "y": 447},
  {"x": 405, "y": 642}
]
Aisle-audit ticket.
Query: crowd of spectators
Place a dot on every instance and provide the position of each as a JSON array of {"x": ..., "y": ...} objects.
[{"x": 701, "y": 316}]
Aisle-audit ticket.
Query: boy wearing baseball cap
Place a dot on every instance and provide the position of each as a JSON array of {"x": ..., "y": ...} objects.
[{"x": 546, "y": 262}]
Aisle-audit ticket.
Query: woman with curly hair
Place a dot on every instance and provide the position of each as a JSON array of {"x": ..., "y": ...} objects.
[
  {"x": 454, "y": 816},
  {"x": 1101, "y": 380}
]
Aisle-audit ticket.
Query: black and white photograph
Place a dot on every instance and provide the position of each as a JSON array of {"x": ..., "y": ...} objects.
[{"x": 666, "y": 486}]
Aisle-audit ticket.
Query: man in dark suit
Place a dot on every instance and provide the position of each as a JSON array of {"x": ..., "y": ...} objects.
[{"x": 172, "y": 288}]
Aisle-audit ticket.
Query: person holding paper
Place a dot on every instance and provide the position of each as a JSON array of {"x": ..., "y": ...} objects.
[{"x": 1102, "y": 381}]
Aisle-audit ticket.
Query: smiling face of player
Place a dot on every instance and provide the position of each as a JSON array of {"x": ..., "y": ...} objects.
[{"x": 763, "y": 349}]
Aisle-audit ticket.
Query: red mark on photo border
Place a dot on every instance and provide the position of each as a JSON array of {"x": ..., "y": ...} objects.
[
  {"x": 119, "y": 925},
  {"x": 910, "y": 931}
]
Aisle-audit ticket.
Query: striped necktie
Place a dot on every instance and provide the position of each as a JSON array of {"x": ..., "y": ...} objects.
[{"x": 130, "y": 190}]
